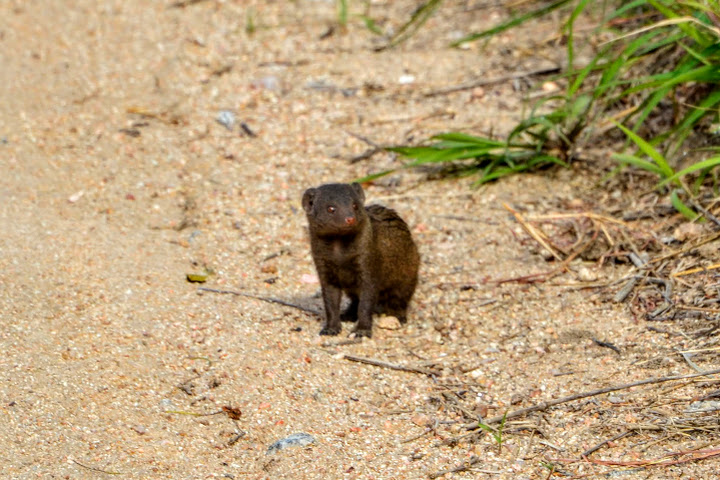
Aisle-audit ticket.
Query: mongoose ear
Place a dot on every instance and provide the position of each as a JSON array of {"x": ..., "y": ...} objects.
[
  {"x": 359, "y": 190},
  {"x": 308, "y": 199}
]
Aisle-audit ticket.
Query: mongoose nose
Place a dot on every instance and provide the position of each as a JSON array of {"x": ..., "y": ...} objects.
[{"x": 350, "y": 221}]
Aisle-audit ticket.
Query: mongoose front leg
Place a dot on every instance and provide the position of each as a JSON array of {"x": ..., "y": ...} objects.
[
  {"x": 366, "y": 305},
  {"x": 331, "y": 300}
]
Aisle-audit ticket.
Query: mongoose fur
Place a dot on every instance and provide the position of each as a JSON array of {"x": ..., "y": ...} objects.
[{"x": 366, "y": 252}]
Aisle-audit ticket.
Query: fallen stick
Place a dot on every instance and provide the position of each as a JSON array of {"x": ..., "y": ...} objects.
[
  {"x": 392, "y": 366},
  {"x": 463, "y": 467},
  {"x": 259, "y": 297},
  {"x": 686, "y": 249},
  {"x": 107, "y": 472},
  {"x": 597, "y": 447},
  {"x": 531, "y": 231},
  {"x": 695, "y": 270},
  {"x": 578, "y": 396},
  {"x": 491, "y": 81},
  {"x": 664, "y": 461},
  {"x": 706, "y": 213}
]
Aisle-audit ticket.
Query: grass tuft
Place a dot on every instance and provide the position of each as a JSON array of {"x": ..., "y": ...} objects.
[{"x": 657, "y": 80}]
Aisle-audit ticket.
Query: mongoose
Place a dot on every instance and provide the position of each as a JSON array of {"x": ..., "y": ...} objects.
[{"x": 366, "y": 252}]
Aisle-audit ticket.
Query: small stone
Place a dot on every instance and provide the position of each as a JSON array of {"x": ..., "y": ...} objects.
[
  {"x": 388, "y": 323},
  {"x": 687, "y": 231},
  {"x": 269, "y": 268},
  {"x": 294, "y": 440},
  {"x": 550, "y": 87},
  {"x": 703, "y": 406},
  {"x": 226, "y": 118},
  {"x": 140, "y": 429},
  {"x": 421, "y": 420},
  {"x": 309, "y": 279},
  {"x": 546, "y": 255},
  {"x": 477, "y": 373},
  {"x": 76, "y": 196},
  {"x": 269, "y": 82},
  {"x": 584, "y": 274}
]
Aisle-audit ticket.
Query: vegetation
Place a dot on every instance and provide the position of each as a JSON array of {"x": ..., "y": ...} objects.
[{"x": 658, "y": 81}]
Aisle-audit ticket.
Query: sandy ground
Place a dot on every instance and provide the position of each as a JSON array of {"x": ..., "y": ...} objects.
[{"x": 117, "y": 181}]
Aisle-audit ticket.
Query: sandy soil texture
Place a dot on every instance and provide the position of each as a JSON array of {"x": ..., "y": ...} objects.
[{"x": 118, "y": 180}]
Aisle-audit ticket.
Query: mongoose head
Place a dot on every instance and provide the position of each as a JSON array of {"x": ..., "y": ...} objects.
[{"x": 335, "y": 209}]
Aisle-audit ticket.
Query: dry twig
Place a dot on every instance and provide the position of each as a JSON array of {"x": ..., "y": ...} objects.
[
  {"x": 464, "y": 467},
  {"x": 597, "y": 447},
  {"x": 392, "y": 366},
  {"x": 259, "y": 297},
  {"x": 667, "y": 460},
  {"x": 532, "y": 231},
  {"x": 492, "y": 81},
  {"x": 545, "y": 405},
  {"x": 96, "y": 469}
]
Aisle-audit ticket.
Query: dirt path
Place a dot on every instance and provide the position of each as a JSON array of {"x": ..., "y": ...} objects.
[{"x": 118, "y": 181}]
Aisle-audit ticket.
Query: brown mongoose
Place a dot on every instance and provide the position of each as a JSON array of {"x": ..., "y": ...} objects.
[{"x": 366, "y": 252}]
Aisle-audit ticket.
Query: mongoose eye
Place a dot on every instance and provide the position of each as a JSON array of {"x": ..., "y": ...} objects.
[
  {"x": 331, "y": 209},
  {"x": 355, "y": 206}
]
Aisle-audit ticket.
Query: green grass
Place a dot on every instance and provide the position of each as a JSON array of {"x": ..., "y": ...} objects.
[
  {"x": 497, "y": 433},
  {"x": 664, "y": 70}
]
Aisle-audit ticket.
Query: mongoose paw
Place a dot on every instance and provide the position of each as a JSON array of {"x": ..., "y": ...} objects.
[
  {"x": 328, "y": 330},
  {"x": 362, "y": 332}
]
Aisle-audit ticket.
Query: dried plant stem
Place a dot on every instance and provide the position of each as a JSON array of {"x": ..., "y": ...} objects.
[
  {"x": 259, "y": 297},
  {"x": 492, "y": 81},
  {"x": 392, "y": 366},
  {"x": 694, "y": 455},
  {"x": 532, "y": 231},
  {"x": 93, "y": 469},
  {"x": 597, "y": 447},
  {"x": 590, "y": 215},
  {"x": 676, "y": 253},
  {"x": 464, "y": 467},
  {"x": 545, "y": 405},
  {"x": 695, "y": 270}
]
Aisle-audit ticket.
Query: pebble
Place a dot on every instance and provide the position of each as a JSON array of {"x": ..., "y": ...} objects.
[
  {"x": 140, "y": 429},
  {"x": 687, "y": 231},
  {"x": 309, "y": 279},
  {"x": 550, "y": 87},
  {"x": 226, "y": 118},
  {"x": 76, "y": 196},
  {"x": 294, "y": 440},
  {"x": 388, "y": 323},
  {"x": 584, "y": 274},
  {"x": 269, "y": 82},
  {"x": 703, "y": 406}
]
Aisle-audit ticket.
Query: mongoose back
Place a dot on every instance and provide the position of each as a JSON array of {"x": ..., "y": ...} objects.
[{"x": 366, "y": 252}]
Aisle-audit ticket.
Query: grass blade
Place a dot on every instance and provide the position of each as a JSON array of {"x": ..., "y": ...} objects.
[
  {"x": 637, "y": 162},
  {"x": 418, "y": 18},
  {"x": 686, "y": 211},
  {"x": 665, "y": 169},
  {"x": 511, "y": 23},
  {"x": 705, "y": 164}
]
